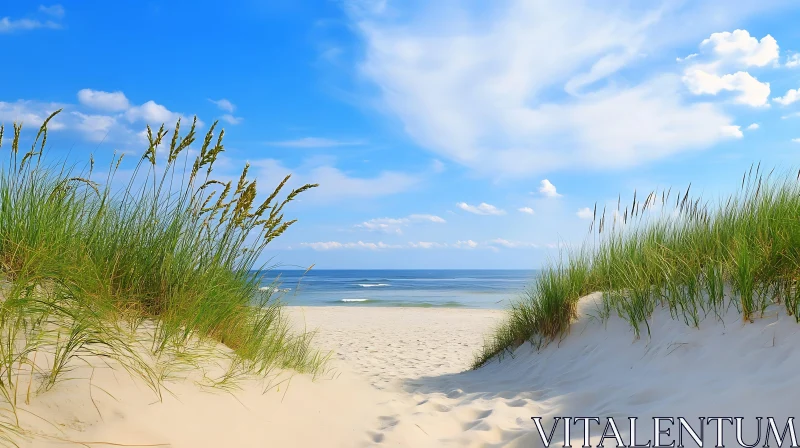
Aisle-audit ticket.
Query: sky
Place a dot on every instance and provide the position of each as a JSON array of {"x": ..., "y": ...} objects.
[{"x": 447, "y": 134}]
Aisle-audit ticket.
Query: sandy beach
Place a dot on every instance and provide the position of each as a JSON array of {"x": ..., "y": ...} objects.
[{"x": 397, "y": 378}]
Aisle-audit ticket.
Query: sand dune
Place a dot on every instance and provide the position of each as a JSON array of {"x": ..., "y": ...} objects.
[
  {"x": 723, "y": 368},
  {"x": 399, "y": 380}
]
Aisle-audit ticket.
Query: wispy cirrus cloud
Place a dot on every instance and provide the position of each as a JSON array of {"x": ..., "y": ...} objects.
[
  {"x": 481, "y": 209},
  {"x": 226, "y": 106},
  {"x": 396, "y": 225},
  {"x": 511, "y": 244},
  {"x": 334, "y": 184},
  {"x": 55, "y": 12},
  {"x": 467, "y": 244},
  {"x": 316, "y": 142},
  {"x": 496, "y": 112}
]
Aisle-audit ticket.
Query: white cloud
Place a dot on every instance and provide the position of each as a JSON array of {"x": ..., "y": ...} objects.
[
  {"x": 106, "y": 101},
  {"x": 431, "y": 218},
  {"x": 494, "y": 111},
  {"x": 7, "y": 25},
  {"x": 95, "y": 127},
  {"x": 753, "y": 127},
  {"x": 426, "y": 245},
  {"x": 585, "y": 213},
  {"x": 316, "y": 142},
  {"x": 751, "y": 91},
  {"x": 793, "y": 60},
  {"x": 460, "y": 244},
  {"x": 468, "y": 244},
  {"x": 329, "y": 245},
  {"x": 224, "y": 105},
  {"x": 731, "y": 51},
  {"x": 31, "y": 113},
  {"x": 511, "y": 244},
  {"x": 732, "y": 131},
  {"x": 56, "y": 11},
  {"x": 334, "y": 245},
  {"x": 481, "y": 209},
  {"x": 395, "y": 225},
  {"x": 334, "y": 184},
  {"x": 548, "y": 189},
  {"x": 527, "y": 210},
  {"x": 228, "y": 118},
  {"x": 153, "y": 114},
  {"x": 98, "y": 116},
  {"x": 691, "y": 56},
  {"x": 796, "y": 140},
  {"x": 791, "y": 96},
  {"x": 741, "y": 48}
]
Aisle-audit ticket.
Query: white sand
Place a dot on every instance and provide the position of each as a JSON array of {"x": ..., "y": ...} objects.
[{"x": 400, "y": 382}]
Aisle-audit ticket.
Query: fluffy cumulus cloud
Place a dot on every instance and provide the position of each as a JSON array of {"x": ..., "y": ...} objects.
[
  {"x": 396, "y": 225},
  {"x": 791, "y": 96},
  {"x": 98, "y": 116},
  {"x": 793, "y": 60},
  {"x": 152, "y": 113},
  {"x": 105, "y": 101},
  {"x": 585, "y": 213},
  {"x": 740, "y": 47},
  {"x": 725, "y": 52},
  {"x": 94, "y": 127},
  {"x": 546, "y": 188},
  {"x": 750, "y": 91},
  {"x": 732, "y": 131},
  {"x": 753, "y": 127},
  {"x": 481, "y": 209},
  {"x": 526, "y": 210},
  {"x": 548, "y": 104},
  {"x": 31, "y": 113}
]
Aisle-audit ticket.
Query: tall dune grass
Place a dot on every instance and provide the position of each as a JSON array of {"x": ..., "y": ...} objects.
[
  {"x": 85, "y": 262},
  {"x": 675, "y": 251}
]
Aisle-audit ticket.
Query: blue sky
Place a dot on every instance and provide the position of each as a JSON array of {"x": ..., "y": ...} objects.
[{"x": 445, "y": 134}]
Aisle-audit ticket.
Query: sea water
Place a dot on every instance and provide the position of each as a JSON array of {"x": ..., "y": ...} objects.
[{"x": 398, "y": 288}]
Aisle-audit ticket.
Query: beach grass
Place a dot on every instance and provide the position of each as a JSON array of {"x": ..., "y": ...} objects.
[
  {"x": 91, "y": 260},
  {"x": 695, "y": 257}
]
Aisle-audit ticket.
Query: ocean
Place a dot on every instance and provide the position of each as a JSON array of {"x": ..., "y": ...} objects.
[{"x": 400, "y": 288}]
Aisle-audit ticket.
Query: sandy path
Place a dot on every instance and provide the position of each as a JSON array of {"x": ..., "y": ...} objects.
[
  {"x": 417, "y": 357},
  {"x": 390, "y": 345}
]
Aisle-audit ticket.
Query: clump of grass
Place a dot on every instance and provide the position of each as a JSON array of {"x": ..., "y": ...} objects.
[
  {"x": 678, "y": 252},
  {"x": 85, "y": 263}
]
